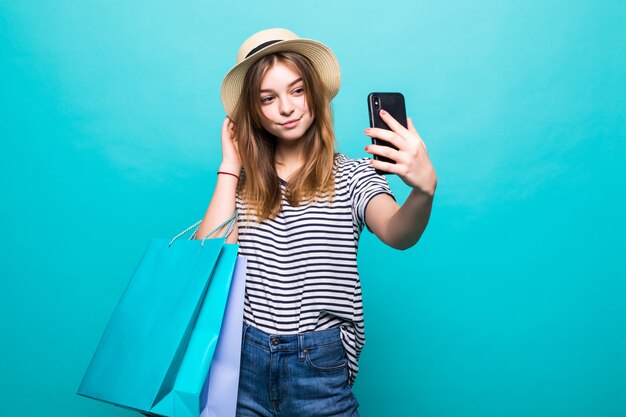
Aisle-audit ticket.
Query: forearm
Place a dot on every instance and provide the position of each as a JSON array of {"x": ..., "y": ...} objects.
[
  {"x": 222, "y": 205},
  {"x": 406, "y": 226},
  {"x": 401, "y": 227}
]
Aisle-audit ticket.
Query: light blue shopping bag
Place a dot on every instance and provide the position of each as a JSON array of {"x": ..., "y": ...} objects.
[
  {"x": 219, "y": 394},
  {"x": 154, "y": 356}
]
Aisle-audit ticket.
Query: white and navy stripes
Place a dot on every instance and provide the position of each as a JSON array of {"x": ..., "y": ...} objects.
[{"x": 302, "y": 269}]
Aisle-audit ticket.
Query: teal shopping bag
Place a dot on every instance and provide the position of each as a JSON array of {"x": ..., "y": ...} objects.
[
  {"x": 137, "y": 361},
  {"x": 184, "y": 397}
]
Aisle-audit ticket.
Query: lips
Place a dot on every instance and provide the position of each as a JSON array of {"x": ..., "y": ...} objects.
[{"x": 291, "y": 123}]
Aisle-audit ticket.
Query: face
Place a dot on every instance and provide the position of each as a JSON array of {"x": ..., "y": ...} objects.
[{"x": 284, "y": 110}]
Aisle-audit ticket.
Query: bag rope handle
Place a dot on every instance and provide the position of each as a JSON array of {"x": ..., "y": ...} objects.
[{"x": 231, "y": 222}]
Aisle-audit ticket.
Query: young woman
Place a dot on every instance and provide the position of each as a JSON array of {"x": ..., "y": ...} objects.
[{"x": 301, "y": 208}]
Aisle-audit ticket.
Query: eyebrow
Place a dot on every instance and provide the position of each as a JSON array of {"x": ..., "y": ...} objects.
[{"x": 290, "y": 84}]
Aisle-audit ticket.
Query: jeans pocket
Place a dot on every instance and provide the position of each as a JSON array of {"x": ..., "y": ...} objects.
[{"x": 327, "y": 358}]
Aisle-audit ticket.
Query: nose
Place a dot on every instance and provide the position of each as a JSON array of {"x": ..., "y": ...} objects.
[{"x": 286, "y": 106}]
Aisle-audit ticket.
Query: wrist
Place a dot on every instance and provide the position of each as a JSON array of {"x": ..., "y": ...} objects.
[
  {"x": 228, "y": 174},
  {"x": 426, "y": 191},
  {"x": 232, "y": 167}
]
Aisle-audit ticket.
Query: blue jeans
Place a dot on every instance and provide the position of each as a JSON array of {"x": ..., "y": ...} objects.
[{"x": 296, "y": 375}]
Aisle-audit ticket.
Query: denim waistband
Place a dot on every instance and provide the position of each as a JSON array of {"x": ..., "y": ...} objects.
[{"x": 291, "y": 342}]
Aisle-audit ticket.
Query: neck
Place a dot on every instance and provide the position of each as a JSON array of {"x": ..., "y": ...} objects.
[{"x": 289, "y": 158}]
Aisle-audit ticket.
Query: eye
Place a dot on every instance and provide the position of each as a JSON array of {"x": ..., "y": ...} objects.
[
  {"x": 266, "y": 99},
  {"x": 299, "y": 90}
]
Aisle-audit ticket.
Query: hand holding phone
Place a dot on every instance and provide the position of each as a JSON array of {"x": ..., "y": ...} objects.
[
  {"x": 402, "y": 142},
  {"x": 393, "y": 103}
]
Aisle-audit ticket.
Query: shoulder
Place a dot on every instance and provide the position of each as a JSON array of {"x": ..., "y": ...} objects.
[{"x": 346, "y": 167}]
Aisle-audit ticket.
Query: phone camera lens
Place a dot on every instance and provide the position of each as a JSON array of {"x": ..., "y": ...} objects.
[{"x": 376, "y": 103}]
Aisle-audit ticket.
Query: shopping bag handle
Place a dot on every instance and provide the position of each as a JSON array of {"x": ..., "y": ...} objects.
[{"x": 231, "y": 222}]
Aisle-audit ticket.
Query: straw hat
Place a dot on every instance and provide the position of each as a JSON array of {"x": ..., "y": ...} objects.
[{"x": 269, "y": 41}]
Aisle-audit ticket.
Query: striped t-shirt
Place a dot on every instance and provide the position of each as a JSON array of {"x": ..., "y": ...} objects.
[{"x": 302, "y": 265}]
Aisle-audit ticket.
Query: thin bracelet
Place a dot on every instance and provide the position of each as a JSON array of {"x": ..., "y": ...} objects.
[{"x": 228, "y": 173}]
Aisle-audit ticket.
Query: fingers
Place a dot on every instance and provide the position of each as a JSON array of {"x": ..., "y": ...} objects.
[
  {"x": 384, "y": 166},
  {"x": 387, "y": 135},
  {"x": 226, "y": 125},
  {"x": 230, "y": 149},
  {"x": 409, "y": 123},
  {"x": 385, "y": 151},
  {"x": 401, "y": 137},
  {"x": 412, "y": 163},
  {"x": 391, "y": 122},
  {"x": 228, "y": 128},
  {"x": 411, "y": 127}
]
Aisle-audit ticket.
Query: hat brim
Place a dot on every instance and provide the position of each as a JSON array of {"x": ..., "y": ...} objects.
[{"x": 322, "y": 58}]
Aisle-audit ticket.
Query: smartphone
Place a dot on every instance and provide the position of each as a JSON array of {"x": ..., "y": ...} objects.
[{"x": 393, "y": 103}]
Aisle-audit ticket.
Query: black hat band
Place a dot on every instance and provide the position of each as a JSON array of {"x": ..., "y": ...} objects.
[{"x": 263, "y": 45}]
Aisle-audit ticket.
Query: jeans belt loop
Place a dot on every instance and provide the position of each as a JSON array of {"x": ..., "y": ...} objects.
[{"x": 301, "y": 348}]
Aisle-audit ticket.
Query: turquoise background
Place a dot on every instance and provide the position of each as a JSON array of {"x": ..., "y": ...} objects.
[{"x": 512, "y": 304}]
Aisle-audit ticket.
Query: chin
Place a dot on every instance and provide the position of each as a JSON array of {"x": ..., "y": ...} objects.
[{"x": 293, "y": 136}]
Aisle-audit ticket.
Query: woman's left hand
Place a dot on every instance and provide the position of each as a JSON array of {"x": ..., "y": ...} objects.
[{"x": 413, "y": 164}]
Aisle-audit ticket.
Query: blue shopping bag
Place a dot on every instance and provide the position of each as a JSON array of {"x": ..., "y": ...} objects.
[{"x": 152, "y": 357}]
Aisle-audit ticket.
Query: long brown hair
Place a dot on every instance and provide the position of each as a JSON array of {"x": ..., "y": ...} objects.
[{"x": 259, "y": 183}]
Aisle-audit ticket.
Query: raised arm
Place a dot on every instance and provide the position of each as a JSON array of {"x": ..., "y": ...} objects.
[
  {"x": 402, "y": 226},
  {"x": 222, "y": 203}
]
